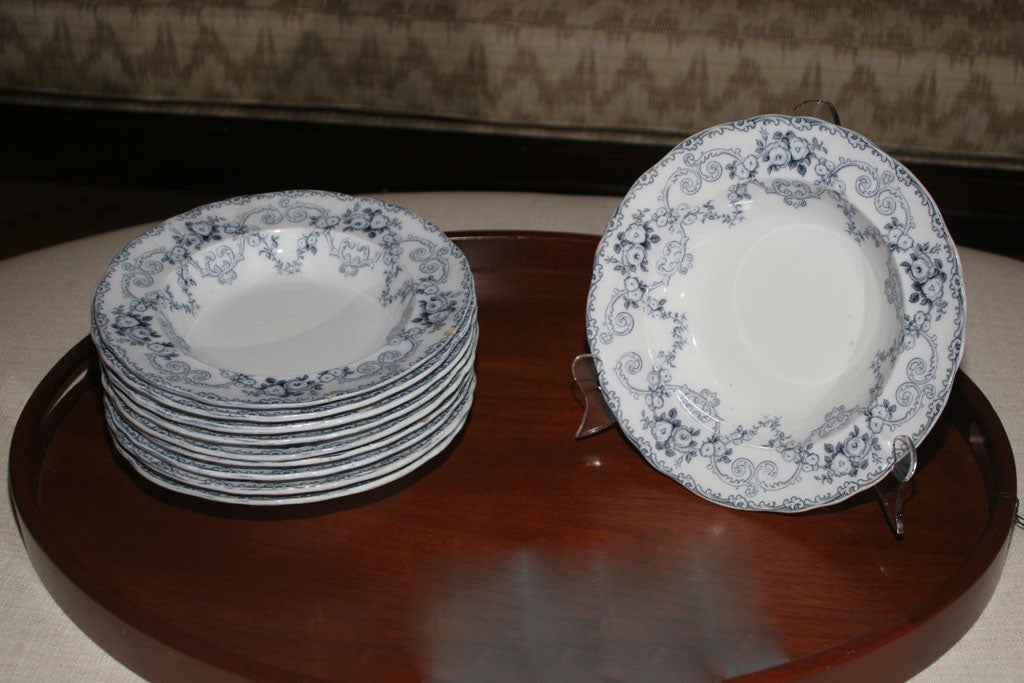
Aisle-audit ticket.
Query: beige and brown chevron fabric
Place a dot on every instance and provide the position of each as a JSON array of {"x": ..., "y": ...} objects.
[{"x": 927, "y": 80}]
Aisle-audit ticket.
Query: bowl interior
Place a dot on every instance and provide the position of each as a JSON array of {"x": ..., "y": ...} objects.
[
  {"x": 793, "y": 311},
  {"x": 266, "y": 303}
]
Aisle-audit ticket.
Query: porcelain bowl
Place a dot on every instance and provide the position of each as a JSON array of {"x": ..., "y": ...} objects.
[
  {"x": 775, "y": 306},
  {"x": 284, "y": 300},
  {"x": 266, "y": 303},
  {"x": 793, "y": 307}
]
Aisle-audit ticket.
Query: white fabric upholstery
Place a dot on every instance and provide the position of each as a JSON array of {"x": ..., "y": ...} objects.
[{"x": 44, "y": 310}]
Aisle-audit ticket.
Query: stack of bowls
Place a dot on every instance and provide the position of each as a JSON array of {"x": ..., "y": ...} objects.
[{"x": 286, "y": 348}]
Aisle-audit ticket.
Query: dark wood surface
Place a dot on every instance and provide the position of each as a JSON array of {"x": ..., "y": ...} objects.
[
  {"x": 66, "y": 173},
  {"x": 521, "y": 553}
]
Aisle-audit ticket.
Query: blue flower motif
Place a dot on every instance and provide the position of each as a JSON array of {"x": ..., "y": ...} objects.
[
  {"x": 286, "y": 387},
  {"x": 850, "y": 456},
  {"x": 674, "y": 437},
  {"x": 177, "y": 254},
  {"x": 789, "y": 151},
  {"x": 634, "y": 292},
  {"x": 739, "y": 193},
  {"x": 715, "y": 449},
  {"x": 134, "y": 325},
  {"x": 743, "y": 169},
  {"x": 927, "y": 278},
  {"x": 324, "y": 222},
  {"x": 435, "y": 308},
  {"x": 370, "y": 221},
  {"x": 880, "y": 415},
  {"x": 636, "y": 240},
  {"x": 210, "y": 229}
]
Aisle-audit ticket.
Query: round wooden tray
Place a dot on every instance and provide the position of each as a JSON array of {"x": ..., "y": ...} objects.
[{"x": 522, "y": 553}]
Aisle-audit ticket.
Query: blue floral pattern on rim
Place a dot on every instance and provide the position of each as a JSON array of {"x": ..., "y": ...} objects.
[
  {"x": 704, "y": 184},
  {"x": 211, "y": 241}
]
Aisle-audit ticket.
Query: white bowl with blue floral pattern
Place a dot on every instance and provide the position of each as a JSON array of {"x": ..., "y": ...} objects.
[
  {"x": 773, "y": 305},
  {"x": 283, "y": 299},
  {"x": 265, "y": 417}
]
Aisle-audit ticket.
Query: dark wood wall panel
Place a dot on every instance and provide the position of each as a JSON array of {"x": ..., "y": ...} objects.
[{"x": 66, "y": 173}]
